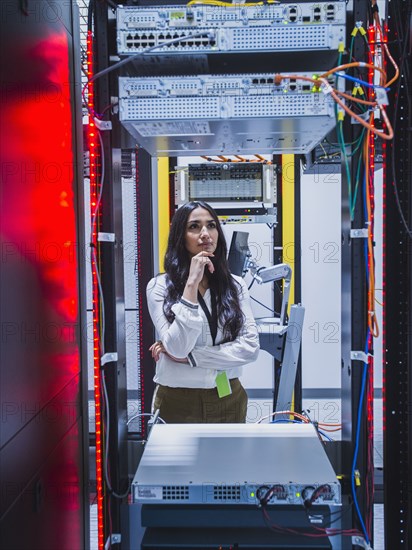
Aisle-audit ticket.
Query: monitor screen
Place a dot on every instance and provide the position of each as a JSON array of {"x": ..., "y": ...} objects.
[{"x": 239, "y": 253}]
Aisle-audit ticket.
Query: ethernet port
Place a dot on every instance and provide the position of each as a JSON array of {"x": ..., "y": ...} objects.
[
  {"x": 292, "y": 14},
  {"x": 151, "y": 40},
  {"x": 317, "y": 14},
  {"x": 330, "y": 12},
  {"x": 255, "y": 81},
  {"x": 129, "y": 41},
  {"x": 262, "y": 81},
  {"x": 292, "y": 85}
]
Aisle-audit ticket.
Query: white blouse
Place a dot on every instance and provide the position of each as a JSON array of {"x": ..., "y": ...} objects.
[{"x": 188, "y": 336}]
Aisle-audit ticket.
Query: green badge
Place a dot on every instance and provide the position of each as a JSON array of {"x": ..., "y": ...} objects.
[{"x": 222, "y": 384}]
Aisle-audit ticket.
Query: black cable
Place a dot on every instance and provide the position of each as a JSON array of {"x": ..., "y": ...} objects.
[
  {"x": 263, "y": 305},
  {"x": 257, "y": 273},
  {"x": 315, "y": 494},
  {"x": 112, "y": 4},
  {"x": 90, "y": 11},
  {"x": 340, "y": 514},
  {"x": 402, "y": 71},
  {"x": 24, "y": 6},
  {"x": 147, "y": 50},
  {"x": 106, "y": 453},
  {"x": 264, "y": 500}
]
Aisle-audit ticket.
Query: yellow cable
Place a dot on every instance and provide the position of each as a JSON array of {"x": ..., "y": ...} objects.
[
  {"x": 288, "y": 218},
  {"x": 229, "y": 5},
  {"x": 163, "y": 207}
]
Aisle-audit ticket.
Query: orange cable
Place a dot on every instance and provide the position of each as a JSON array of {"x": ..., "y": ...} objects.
[
  {"x": 354, "y": 64},
  {"x": 356, "y": 99}
]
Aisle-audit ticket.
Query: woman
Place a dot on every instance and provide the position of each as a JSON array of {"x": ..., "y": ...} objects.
[{"x": 204, "y": 323}]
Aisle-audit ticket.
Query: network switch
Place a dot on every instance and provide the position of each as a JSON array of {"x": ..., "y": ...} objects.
[{"x": 287, "y": 26}]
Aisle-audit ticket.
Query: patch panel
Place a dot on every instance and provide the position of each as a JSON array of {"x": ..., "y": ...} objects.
[{"x": 288, "y": 26}]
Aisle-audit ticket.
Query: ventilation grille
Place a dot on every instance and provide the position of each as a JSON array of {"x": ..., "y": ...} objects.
[
  {"x": 126, "y": 162},
  {"x": 279, "y": 38},
  {"x": 280, "y": 106},
  {"x": 212, "y": 108},
  {"x": 170, "y": 108},
  {"x": 175, "y": 492},
  {"x": 226, "y": 493}
]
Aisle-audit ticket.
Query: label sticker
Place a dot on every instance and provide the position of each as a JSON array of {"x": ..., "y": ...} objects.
[
  {"x": 155, "y": 493},
  {"x": 223, "y": 385}
]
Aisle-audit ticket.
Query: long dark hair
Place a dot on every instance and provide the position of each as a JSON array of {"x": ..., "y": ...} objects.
[{"x": 177, "y": 264}]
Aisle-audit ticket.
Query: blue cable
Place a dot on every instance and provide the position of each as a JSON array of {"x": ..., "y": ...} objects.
[
  {"x": 324, "y": 435},
  {"x": 299, "y": 422},
  {"x": 356, "y": 451},
  {"x": 359, "y": 81},
  {"x": 283, "y": 420}
]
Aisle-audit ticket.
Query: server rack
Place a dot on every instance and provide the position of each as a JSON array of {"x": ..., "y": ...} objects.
[{"x": 354, "y": 316}]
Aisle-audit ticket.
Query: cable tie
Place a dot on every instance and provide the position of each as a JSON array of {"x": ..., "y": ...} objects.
[
  {"x": 381, "y": 96},
  {"x": 102, "y": 124},
  {"x": 359, "y": 356},
  {"x": 106, "y": 237},
  {"x": 326, "y": 88},
  {"x": 361, "y": 233},
  {"x": 108, "y": 358},
  {"x": 360, "y": 541}
]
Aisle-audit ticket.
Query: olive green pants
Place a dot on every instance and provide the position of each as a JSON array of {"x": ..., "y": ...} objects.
[{"x": 192, "y": 405}]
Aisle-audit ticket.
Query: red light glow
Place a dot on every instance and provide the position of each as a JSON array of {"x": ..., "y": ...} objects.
[{"x": 94, "y": 169}]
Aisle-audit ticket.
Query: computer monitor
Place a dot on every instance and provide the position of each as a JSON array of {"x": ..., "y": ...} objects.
[{"x": 239, "y": 253}]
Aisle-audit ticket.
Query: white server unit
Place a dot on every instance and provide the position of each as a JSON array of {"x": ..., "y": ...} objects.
[
  {"x": 287, "y": 26},
  {"x": 199, "y": 464},
  {"x": 225, "y": 114}
]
